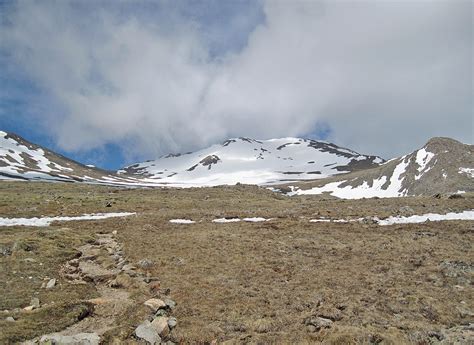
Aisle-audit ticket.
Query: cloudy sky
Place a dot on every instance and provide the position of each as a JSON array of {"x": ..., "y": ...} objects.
[{"x": 114, "y": 82}]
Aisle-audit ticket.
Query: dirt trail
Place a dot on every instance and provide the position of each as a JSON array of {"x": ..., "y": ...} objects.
[{"x": 103, "y": 264}]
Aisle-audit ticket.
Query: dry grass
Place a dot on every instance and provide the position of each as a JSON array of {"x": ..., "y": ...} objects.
[{"x": 258, "y": 282}]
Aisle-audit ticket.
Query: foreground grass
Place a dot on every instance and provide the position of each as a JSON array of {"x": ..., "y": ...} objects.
[{"x": 248, "y": 282}]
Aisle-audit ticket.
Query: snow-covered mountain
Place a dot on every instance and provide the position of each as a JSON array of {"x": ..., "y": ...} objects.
[
  {"x": 443, "y": 166},
  {"x": 22, "y": 160},
  {"x": 253, "y": 161},
  {"x": 296, "y": 166}
]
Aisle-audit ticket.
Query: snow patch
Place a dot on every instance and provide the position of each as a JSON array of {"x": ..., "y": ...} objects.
[
  {"x": 182, "y": 221},
  {"x": 256, "y": 219},
  {"x": 433, "y": 217},
  {"x": 46, "y": 221},
  {"x": 423, "y": 157},
  {"x": 467, "y": 171},
  {"x": 364, "y": 190},
  {"x": 226, "y": 220}
]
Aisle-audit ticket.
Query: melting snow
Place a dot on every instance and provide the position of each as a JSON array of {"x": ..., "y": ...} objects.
[
  {"x": 433, "y": 217},
  {"x": 182, "y": 221},
  {"x": 255, "y": 219},
  {"x": 234, "y": 220},
  {"x": 364, "y": 190},
  {"x": 226, "y": 220},
  {"x": 423, "y": 157},
  {"x": 46, "y": 221},
  {"x": 467, "y": 171},
  {"x": 14, "y": 154}
]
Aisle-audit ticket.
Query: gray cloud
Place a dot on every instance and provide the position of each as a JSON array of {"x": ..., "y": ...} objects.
[{"x": 385, "y": 76}]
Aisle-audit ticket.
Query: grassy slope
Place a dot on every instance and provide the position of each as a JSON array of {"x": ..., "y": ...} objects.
[{"x": 248, "y": 282}]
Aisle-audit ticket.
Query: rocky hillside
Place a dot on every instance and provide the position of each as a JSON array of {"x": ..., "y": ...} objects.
[
  {"x": 22, "y": 160},
  {"x": 253, "y": 161},
  {"x": 443, "y": 166}
]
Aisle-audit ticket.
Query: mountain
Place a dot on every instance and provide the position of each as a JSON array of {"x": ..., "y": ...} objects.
[
  {"x": 293, "y": 165},
  {"x": 22, "y": 160},
  {"x": 253, "y": 161},
  {"x": 442, "y": 166}
]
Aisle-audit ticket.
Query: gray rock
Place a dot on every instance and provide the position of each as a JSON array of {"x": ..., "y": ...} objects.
[
  {"x": 5, "y": 250},
  {"x": 10, "y": 319},
  {"x": 172, "y": 322},
  {"x": 128, "y": 267},
  {"x": 155, "y": 304},
  {"x": 145, "y": 263},
  {"x": 35, "y": 302},
  {"x": 170, "y": 303},
  {"x": 148, "y": 333},
  {"x": 51, "y": 283},
  {"x": 76, "y": 339},
  {"x": 318, "y": 323},
  {"x": 406, "y": 211},
  {"x": 160, "y": 324}
]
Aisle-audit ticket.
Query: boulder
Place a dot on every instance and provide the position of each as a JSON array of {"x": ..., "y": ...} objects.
[
  {"x": 155, "y": 304},
  {"x": 160, "y": 324},
  {"x": 148, "y": 333},
  {"x": 51, "y": 283}
]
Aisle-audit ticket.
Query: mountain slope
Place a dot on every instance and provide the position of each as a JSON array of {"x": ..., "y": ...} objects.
[
  {"x": 22, "y": 160},
  {"x": 252, "y": 161},
  {"x": 443, "y": 165}
]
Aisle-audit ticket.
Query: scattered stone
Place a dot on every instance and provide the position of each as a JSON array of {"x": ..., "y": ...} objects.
[
  {"x": 160, "y": 324},
  {"x": 463, "y": 334},
  {"x": 465, "y": 312},
  {"x": 456, "y": 196},
  {"x": 155, "y": 304},
  {"x": 10, "y": 319},
  {"x": 128, "y": 267},
  {"x": 406, "y": 211},
  {"x": 51, "y": 283},
  {"x": 122, "y": 281},
  {"x": 318, "y": 323},
  {"x": 172, "y": 322},
  {"x": 35, "y": 302},
  {"x": 80, "y": 338},
  {"x": 108, "y": 204},
  {"x": 114, "y": 232},
  {"x": 161, "y": 312},
  {"x": 5, "y": 250},
  {"x": 28, "y": 308},
  {"x": 369, "y": 220},
  {"x": 145, "y": 264},
  {"x": 148, "y": 333},
  {"x": 170, "y": 303}
]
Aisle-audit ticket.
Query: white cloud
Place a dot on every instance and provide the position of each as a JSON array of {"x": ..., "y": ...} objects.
[{"x": 385, "y": 76}]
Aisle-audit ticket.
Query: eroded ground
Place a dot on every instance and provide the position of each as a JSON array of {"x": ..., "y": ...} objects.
[{"x": 282, "y": 281}]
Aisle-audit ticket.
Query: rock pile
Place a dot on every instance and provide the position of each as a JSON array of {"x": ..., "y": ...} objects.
[
  {"x": 103, "y": 264},
  {"x": 158, "y": 328}
]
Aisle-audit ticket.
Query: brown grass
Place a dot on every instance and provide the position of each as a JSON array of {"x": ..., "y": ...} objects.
[{"x": 258, "y": 282}]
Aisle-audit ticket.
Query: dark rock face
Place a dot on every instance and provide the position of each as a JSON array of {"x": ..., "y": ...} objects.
[{"x": 212, "y": 159}]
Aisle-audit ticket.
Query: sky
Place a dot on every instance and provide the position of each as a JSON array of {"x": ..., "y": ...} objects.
[{"x": 115, "y": 82}]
